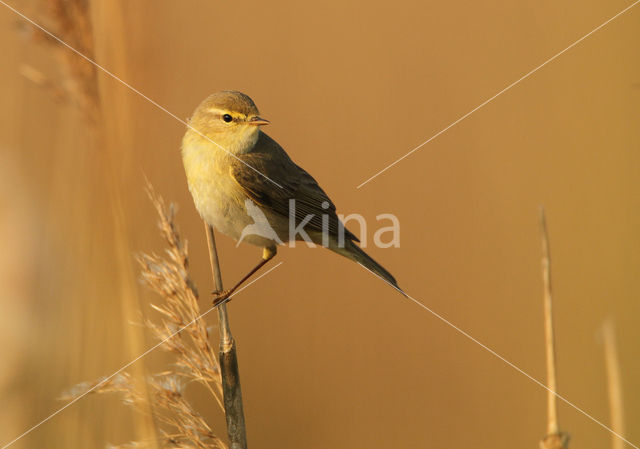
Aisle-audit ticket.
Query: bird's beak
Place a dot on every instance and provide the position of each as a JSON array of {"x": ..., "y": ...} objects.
[{"x": 258, "y": 121}]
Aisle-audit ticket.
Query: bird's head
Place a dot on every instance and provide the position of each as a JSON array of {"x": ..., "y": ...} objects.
[{"x": 230, "y": 119}]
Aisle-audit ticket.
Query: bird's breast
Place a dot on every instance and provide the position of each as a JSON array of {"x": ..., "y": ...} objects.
[{"x": 217, "y": 197}]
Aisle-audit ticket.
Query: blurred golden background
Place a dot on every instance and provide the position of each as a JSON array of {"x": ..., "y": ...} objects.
[{"x": 329, "y": 356}]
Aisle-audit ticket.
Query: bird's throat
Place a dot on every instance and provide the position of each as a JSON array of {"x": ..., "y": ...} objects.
[{"x": 239, "y": 142}]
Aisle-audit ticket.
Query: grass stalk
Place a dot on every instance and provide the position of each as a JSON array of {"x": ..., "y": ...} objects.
[
  {"x": 555, "y": 439},
  {"x": 233, "y": 407},
  {"x": 614, "y": 383}
]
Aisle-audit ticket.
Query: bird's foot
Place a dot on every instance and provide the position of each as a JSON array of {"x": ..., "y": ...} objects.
[{"x": 220, "y": 297}]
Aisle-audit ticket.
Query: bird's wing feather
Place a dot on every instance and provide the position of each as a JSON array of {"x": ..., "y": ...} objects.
[{"x": 270, "y": 159}]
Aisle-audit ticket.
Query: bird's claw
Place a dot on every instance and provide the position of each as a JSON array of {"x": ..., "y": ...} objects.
[{"x": 220, "y": 297}]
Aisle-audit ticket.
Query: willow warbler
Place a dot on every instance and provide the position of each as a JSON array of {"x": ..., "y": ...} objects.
[{"x": 245, "y": 185}]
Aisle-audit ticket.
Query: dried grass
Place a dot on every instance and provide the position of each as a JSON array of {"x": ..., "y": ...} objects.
[
  {"x": 184, "y": 335},
  {"x": 555, "y": 438},
  {"x": 170, "y": 278},
  {"x": 614, "y": 383},
  {"x": 70, "y": 21}
]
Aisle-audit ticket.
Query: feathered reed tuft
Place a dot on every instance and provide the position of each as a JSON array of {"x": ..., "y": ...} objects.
[
  {"x": 180, "y": 331},
  {"x": 70, "y": 21}
]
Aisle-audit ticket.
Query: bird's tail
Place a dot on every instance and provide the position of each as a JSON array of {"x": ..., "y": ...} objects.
[{"x": 355, "y": 253}]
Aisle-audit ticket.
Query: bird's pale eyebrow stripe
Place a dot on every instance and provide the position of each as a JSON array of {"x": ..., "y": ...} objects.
[{"x": 217, "y": 111}]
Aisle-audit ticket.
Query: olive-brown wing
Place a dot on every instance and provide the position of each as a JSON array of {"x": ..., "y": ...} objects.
[{"x": 274, "y": 179}]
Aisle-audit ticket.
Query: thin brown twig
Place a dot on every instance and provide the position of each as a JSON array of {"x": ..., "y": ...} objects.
[{"x": 234, "y": 410}]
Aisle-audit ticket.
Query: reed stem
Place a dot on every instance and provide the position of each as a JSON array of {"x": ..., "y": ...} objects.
[
  {"x": 554, "y": 439},
  {"x": 552, "y": 411},
  {"x": 232, "y": 391},
  {"x": 614, "y": 382}
]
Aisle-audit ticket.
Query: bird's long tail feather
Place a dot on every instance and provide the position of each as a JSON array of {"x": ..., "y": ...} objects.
[{"x": 355, "y": 253}]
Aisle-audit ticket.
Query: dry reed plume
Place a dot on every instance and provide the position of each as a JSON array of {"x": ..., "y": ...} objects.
[
  {"x": 70, "y": 21},
  {"x": 183, "y": 333}
]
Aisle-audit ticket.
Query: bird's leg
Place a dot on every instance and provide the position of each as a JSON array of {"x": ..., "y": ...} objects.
[{"x": 267, "y": 254}]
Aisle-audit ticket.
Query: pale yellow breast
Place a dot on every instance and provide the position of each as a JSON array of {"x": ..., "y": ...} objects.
[{"x": 217, "y": 197}]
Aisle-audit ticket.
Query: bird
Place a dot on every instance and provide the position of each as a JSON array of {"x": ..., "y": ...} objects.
[{"x": 246, "y": 186}]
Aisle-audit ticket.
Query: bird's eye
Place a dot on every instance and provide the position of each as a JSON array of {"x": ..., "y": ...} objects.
[{"x": 227, "y": 118}]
